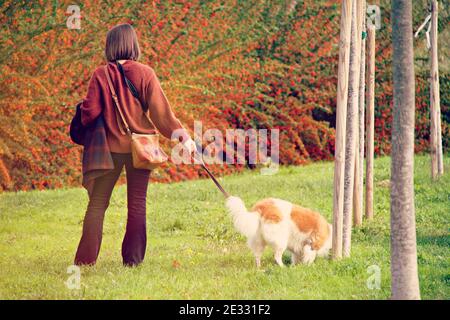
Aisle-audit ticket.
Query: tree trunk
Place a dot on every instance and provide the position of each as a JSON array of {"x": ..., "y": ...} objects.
[
  {"x": 405, "y": 282},
  {"x": 370, "y": 127},
  {"x": 352, "y": 127},
  {"x": 359, "y": 176},
  {"x": 341, "y": 114}
]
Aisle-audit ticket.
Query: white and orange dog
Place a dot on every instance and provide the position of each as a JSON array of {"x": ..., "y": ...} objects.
[{"x": 282, "y": 225}]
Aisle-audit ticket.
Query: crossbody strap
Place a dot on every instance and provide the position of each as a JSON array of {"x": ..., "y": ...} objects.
[
  {"x": 116, "y": 100},
  {"x": 134, "y": 92},
  {"x": 117, "y": 104}
]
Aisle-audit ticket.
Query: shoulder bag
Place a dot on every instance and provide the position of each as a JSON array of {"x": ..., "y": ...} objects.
[{"x": 145, "y": 148}]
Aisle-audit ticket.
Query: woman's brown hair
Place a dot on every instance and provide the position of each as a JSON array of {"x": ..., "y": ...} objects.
[{"x": 122, "y": 43}]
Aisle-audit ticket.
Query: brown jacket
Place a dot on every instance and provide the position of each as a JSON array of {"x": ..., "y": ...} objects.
[{"x": 98, "y": 100}]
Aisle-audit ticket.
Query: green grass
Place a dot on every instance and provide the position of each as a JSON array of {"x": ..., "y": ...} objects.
[{"x": 187, "y": 223}]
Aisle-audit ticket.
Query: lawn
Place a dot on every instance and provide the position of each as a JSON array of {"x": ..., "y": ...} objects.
[{"x": 194, "y": 253}]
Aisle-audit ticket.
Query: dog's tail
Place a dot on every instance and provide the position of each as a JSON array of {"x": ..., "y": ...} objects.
[{"x": 245, "y": 222}]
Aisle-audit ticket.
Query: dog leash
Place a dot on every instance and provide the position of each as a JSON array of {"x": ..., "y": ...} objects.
[{"x": 213, "y": 178}]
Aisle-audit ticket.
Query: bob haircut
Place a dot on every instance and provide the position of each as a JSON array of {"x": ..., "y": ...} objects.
[{"x": 122, "y": 43}]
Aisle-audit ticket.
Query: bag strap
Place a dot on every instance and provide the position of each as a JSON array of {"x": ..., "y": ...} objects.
[
  {"x": 130, "y": 84},
  {"x": 117, "y": 104},
  {"x": 134, "y": 92}
]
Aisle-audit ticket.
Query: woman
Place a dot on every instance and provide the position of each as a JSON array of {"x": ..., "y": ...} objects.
[{"x": 122, "y": 52}]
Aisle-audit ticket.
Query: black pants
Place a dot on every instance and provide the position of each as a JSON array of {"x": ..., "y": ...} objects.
[{"x": 135, "y": 240}]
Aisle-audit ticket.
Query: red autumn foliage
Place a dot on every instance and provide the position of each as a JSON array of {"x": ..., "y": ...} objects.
[{"x": 232, "y": 64}]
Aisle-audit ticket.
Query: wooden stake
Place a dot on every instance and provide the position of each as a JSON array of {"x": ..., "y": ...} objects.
[
  {"x": 341, "y": 115},
  {"x": 359, "y": 165},
  {"x": 357, "y": 191},
  {"x": 437, "y": 168},
  {"x": 352, "y": 127},
  {"x": 370, "y": 121},
  {"x": 440, "y": 150}
]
